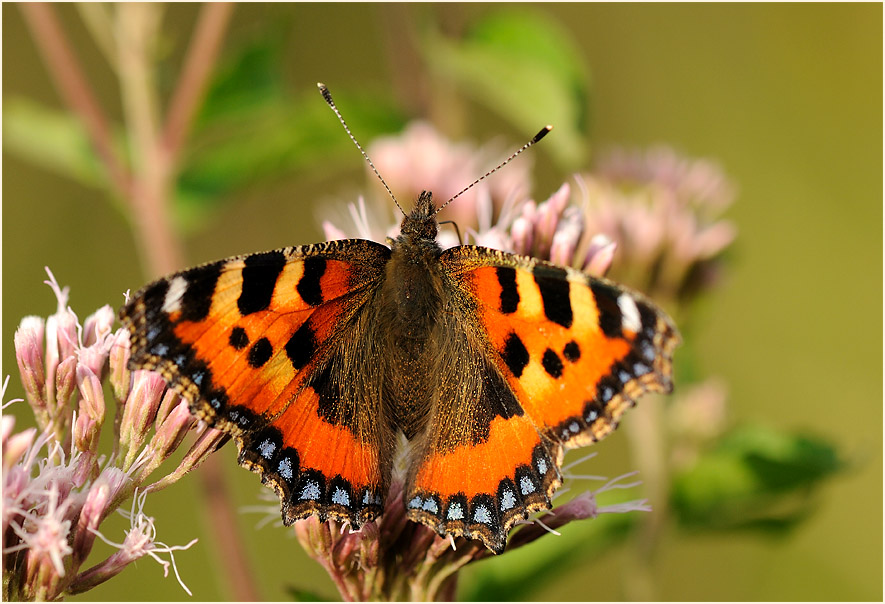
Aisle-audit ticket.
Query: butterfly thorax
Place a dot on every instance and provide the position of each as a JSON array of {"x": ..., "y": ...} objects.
[
  {"x": 413, "y": 296},
  {"x": 413, "y": 283}
]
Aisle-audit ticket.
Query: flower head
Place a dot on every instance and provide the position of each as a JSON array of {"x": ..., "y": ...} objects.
[{"x": 58, "y": 487}]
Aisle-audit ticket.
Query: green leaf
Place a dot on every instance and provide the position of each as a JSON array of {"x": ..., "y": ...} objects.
[
  {"x": 249, "y": 78},
  {"x": 52, "y": 139},
  {"x": 525, "y": 67},
  {"x": 284, "y": 136},
  {"x": 755, "y": 478},
  {"x": 252, "y": 129}
]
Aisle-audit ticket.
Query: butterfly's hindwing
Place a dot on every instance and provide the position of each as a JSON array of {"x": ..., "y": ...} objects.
[
  {"x": 261, "y": 346},
  {"x": 481, "y": 464}
]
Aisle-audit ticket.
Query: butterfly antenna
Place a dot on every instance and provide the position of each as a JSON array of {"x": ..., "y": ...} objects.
[
  {"x": 534, "y": 140},
  {"x": 328, "y": 97}
]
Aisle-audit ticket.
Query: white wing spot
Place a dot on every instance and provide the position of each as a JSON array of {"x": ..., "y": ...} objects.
[
  {"x": 526, "y": 486},
  {"x": 266, "y": 448},
  {"x": 481, "y": 514},
  {"x": 430, "y": 506},
  {"x": 630, "y": 320},
  {"x": 341, "y": 497},
  {"x": 415, "y": 503},
  {"x": 508, "y": 501},
  {"x": 172, "y": 301},
  {"x": 285, "y": 468},
  {"x": 542, "y": 467},
  {"x": 311, "y": 490},
  {"x": 574, "y": 427},
  {"x": 455, "y": 512}
]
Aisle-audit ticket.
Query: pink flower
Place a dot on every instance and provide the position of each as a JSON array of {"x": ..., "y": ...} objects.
[{"x": 55, "y": 502}]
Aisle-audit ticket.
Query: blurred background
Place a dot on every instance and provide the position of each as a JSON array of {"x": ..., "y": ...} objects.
[{"x": 787, "y": 99}]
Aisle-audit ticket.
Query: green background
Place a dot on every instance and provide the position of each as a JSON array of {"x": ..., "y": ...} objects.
[{"x": 788, "y": 98}]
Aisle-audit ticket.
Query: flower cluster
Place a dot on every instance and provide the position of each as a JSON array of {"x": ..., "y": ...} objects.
[
  {"x": 58, "y": 487},
  {"x": 394, "y": 559},
  {"x": 665, "y": 212}
]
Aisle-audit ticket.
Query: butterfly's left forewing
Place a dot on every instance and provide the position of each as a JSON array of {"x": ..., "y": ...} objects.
[
  {"x": 261, "y": 347},
  {"x": 566, "y": 353}
]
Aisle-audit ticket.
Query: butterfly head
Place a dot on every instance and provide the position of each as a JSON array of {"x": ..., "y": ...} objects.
[{"x": 420, "y": 224}]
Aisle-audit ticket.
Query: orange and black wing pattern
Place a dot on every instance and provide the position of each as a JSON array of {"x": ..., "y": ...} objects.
[
  {"x": 563, "y": 356},
  {"x": 261, "y": 345}
]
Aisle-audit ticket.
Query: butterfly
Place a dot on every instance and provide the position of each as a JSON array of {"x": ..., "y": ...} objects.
[{"x": 317, "y": 359}]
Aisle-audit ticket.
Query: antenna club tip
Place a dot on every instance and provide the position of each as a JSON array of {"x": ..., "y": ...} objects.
[
  {"x": 325, "y": 92},
  {"x": 544, "y": 131}
]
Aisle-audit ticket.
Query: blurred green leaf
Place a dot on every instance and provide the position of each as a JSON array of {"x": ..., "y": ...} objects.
[
  {"x": 52, "y": 139},
  {"x": 524, "y": 66},
  {"x": 755, "y": 478},
  {"x": 253, "y": 129},
  {"x": 284, "y": 136},
  {"x": 249, "y": 78}
]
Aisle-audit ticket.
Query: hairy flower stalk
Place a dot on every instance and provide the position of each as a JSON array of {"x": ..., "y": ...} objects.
[{"x": 58, "y": 487}]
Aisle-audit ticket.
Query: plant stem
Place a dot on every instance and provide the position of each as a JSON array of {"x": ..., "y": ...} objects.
[
  {"x": 194, "y": 78},
  {"x": 161, "y": 252},
  {"x": 148, "y": 188},
  {"x": 61, "y": 61}
]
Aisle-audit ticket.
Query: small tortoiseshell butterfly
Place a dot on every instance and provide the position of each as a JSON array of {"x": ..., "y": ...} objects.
[{"x": 492, "y": 365}]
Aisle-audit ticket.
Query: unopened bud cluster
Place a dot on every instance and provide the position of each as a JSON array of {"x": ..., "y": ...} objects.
[{"x": 58, "y": 487}]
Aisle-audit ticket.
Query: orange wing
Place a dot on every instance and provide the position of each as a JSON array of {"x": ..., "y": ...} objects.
[
  {"x": 259, "y": 345},
  {"x": 564, "y": 355}
]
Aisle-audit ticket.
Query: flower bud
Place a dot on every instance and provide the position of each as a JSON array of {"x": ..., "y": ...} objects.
[
  {"x": 120, "y": 376},
  {"x": 169, "y": 402},
  {"x": 15, "y": 446},
  {"x": 28, "y": 343},
  {"x": 547, "y": 218},
  {"x": 522, "y": 236},
  {"x": 94, "y": 358},
  {"x": 167, "y": 438},
  {"x": 139, "y": 412},
  {"x": 91, "y": 394},
  {"x": 599, "y": 255},
  {"x": 565, "y": 239},
  {"x": 65, "y": 383},
  {"x": 97, "y": 326}
]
